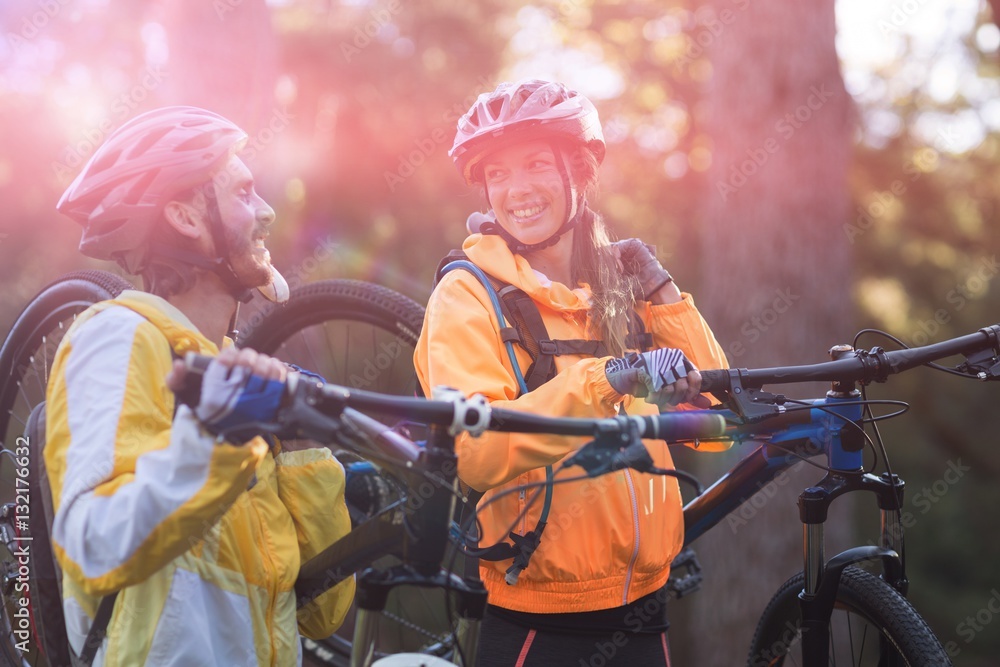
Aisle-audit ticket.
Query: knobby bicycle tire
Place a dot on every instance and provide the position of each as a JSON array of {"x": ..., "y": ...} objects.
[
  {"x": 31, "y": 343},
  {"x": 871, "y": 621},
  {"x": 358, "y": 335},
  {"x": 25, "y": 363}
]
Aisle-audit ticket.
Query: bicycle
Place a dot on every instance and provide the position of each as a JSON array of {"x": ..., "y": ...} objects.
[
  {"x": 797, "y": 622},
  {"x": 359, "y": 335},
  {"x": 790, "y": 628},
  {"x": 759, "y": 419},
  {"x": 354, "y": 322},
  {"x": 418, "y": 526}
]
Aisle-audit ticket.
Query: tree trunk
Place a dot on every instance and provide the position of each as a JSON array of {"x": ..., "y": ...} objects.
[
  {"x": 776, "y": 277},
  {"x": 222, "y": 55}
]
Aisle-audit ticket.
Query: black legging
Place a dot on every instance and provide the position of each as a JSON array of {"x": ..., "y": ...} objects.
[{"x": 504, "y": 644}]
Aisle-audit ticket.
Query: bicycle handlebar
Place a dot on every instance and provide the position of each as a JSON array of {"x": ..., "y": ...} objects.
[
  {"x": 669, "y": 426},
  {"x": 471, "y": 415},
  {"x": 864, "y": 367}
]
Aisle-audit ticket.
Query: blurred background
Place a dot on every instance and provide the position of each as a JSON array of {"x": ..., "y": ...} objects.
[{"x": 805, "y": 170}]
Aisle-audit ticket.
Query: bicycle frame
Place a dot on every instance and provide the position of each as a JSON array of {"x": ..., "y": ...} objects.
[
  {"x": 832, "y": 426},
  {"x": 810, "y": 432},
  {"x": 422, "y": 560},
  {"x": 419, "y": 535},
  {"x": 423, "y": 531}
]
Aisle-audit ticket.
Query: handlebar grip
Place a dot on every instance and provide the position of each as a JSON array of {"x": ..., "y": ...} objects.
[
  {"x": 197, "y": 363},
  {"x": 675, "y": 426},
  {"x": 714, "y": 380}
]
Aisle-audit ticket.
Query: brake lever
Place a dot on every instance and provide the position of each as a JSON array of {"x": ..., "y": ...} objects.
[
  {"x": 613, "y": 450},
  {"x": 751, "y": 404},
  {"x": 985, "y": 364},
  {"x": 298, "y": 419}
]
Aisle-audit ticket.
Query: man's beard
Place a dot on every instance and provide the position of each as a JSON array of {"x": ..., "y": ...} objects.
[{"x": 251, "y": 264}]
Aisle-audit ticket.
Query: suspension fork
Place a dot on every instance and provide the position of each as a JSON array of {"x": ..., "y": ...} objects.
[
  {"x": 424, "y": 546},
  {"x": 822, "y": 577}
]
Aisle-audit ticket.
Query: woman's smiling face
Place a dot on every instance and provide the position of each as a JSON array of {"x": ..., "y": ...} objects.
[{"x": 526, "y": 190}]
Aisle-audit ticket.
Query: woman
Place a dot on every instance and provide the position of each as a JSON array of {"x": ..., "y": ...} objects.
[{"x": 593, "y": 588}]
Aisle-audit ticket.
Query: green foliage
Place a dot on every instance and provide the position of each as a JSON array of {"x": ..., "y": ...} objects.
[{"x": 359, "y": 173}]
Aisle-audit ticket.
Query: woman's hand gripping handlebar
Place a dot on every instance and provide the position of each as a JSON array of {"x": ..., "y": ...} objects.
[{"x": 307, "y": 408}]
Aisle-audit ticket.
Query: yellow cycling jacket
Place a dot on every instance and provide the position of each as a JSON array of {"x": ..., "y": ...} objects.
[
  {"x": 202, "y": 539},
  {"x": 609, "y": 540}
]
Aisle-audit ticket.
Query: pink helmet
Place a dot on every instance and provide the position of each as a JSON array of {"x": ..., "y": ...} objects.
[
  {"x": 121, "y": 192},
  {"x": 529, "y": 109}
]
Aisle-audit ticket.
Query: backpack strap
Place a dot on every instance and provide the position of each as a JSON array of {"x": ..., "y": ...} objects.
[
  {"x": 454, "y": 255},
  {"x": 638, "y": 338},
  {"x": 533, "y": 336},
  {"x": 98, "y": 631},
  {"x": 520, "y": 321}
]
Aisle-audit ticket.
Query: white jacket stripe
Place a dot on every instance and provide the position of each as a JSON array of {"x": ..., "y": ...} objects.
[{"x": 87, "y": 524}]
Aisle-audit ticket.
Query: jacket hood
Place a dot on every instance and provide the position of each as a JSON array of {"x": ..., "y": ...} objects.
[{"x": 490, "y": 253}]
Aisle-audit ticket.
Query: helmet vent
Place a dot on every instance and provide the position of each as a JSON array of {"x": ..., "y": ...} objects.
[
  {"x": 105, "y": 161},
  {"x": 140, "y": 187},
  {"x": 147, "y": 141},
  {"x": 496, "y": 108},
  {"x": 521, "y": 96},
  {"x": 197, "y": 142}
]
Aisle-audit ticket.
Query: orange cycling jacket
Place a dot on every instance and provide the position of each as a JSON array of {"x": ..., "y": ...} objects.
[{"x": 609, "y": 540}]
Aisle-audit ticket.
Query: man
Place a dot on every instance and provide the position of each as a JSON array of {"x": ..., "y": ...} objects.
[{"x": 200, "y": 527}]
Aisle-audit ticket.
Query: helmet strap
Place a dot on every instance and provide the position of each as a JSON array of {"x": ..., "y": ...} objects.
[
  {"x": 220, "y": 264},
  {"x": 223, "y": 266}
]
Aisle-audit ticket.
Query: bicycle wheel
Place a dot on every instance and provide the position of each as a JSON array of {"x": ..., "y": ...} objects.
[
  {"x": 359, "y": 335},
  {"x": 25, "y": 362},
  {"x": 872, "y": 624}
]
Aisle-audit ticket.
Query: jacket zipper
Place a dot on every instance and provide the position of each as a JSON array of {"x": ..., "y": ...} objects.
[
  {"x": 521, "y": 512},
  {"x": 272, "y": 586},
  {"x": 635, "y": 529}
]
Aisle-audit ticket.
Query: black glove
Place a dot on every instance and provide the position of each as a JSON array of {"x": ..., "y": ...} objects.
[{"x": 639, "y": 260}]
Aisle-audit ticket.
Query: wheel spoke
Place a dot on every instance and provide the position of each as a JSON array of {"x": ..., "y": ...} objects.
[
  {"x": 864, "y": 642},
  {"x": 871, "y": 608},
  {"x": 353, "y": 322},
  {"x": 332, "y": 353}
]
